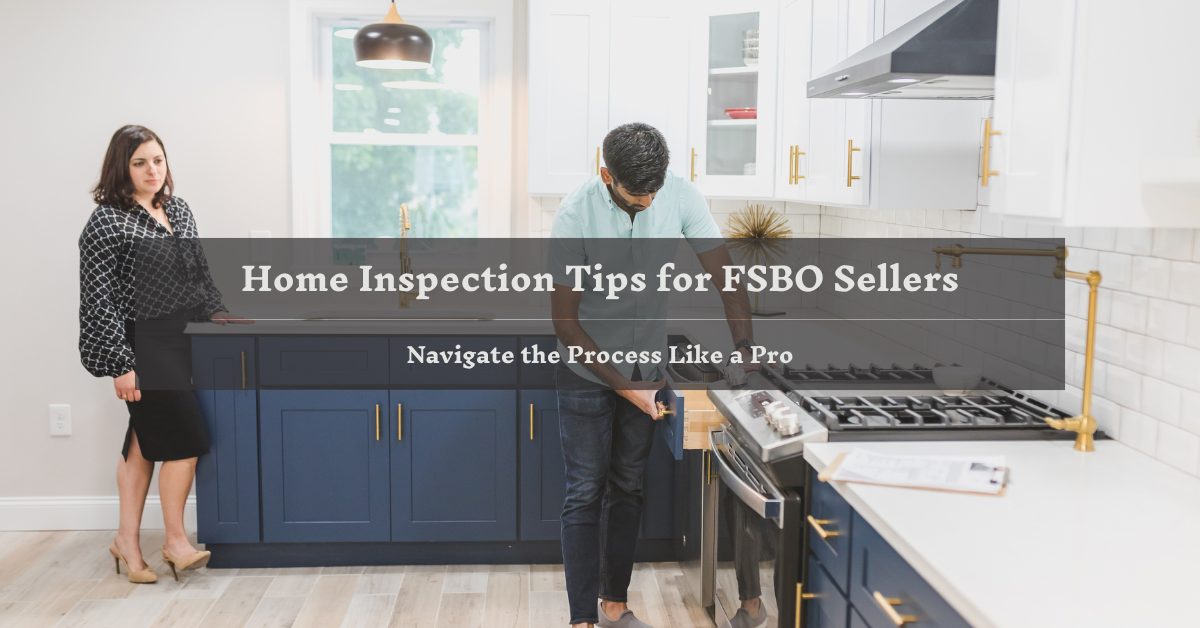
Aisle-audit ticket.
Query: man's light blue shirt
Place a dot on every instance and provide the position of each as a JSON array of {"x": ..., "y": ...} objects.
[{"x": 586, "y": 230}]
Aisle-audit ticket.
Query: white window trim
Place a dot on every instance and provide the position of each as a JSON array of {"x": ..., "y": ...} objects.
[{"x": 311, "y": 200}]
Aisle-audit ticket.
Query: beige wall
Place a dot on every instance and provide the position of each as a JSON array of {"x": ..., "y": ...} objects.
[{"x": 211, "y": 78}]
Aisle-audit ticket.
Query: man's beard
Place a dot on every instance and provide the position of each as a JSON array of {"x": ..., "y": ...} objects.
[{"x": 620, "y": 202}]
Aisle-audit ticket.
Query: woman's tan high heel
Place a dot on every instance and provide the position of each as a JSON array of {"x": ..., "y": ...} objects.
[
  {"x": 141, "y": 576},
  {"x": 182, "y": 563}
]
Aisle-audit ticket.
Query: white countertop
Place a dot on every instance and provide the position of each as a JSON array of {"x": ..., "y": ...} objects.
[{"x": 1109, "y": 538}]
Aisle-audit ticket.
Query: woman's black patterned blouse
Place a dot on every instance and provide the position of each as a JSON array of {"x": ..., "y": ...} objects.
[{"x": 133, "y": 268}]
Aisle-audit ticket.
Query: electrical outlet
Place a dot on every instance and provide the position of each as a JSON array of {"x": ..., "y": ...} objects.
[{"x": 60, "y": 419}]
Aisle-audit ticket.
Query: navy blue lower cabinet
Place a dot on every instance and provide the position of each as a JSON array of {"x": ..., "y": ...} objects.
[
  {"x": 830, "y": 517},
  {"x": 543, "y": 480},
  {"x": 227, "y": 477},
  {"x": 828, "y": 608},
  {"x": 883, "y": 586},
  {"x": 453, "y": 465},
  {"x": 856, "y": 620},
  {"x": 324, "y": 465},
  {"x": 658, "y": 488}
]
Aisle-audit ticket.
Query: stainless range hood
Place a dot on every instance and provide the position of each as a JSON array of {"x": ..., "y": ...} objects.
[{"x": 948, "y": 52}]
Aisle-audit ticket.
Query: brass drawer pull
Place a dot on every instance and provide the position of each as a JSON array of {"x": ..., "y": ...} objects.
[
  {"x": 818, "y": 525},
  {"x": 399, "y": 422},
  {"x": 799, "y": 153},
  {"x": 243, "y": 370},
  {"x": 597, "y": 160},
  {"x": 888, "y": 606},
  {"x": 986, "y": 171},
  {"x": 376, "y": 422},
  {"x": 531, "y": 421},
  {"x": 693, "y": 176},
  {"x": 850, "y": 150}
]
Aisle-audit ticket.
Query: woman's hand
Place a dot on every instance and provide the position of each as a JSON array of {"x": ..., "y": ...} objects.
[
  {"x": 222, "y": 318},
  {"x": 126, "y": 387}
]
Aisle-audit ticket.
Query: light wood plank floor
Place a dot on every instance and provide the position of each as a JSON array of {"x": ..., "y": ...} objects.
[{"x": 67, "y": 579}]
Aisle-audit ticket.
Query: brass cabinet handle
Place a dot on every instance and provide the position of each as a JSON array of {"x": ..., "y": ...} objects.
[
  {"x": 791, "y": 164},
  {"x": 243, "y": 370},
  {"x": 799, "y": 153},
  {"x": 597, "y": 160},
  {"x": 693, "y": 176},
  {"x": 818, "y": 525},
  {"x": 986, "y": 171},
  {"x": 888, "y": 606},
  {"x": 376, "y": 422},
  {"x": 531, "y": 421},
  {"x": 399, "y": 422},
  {"x": 850, "y": 150}
]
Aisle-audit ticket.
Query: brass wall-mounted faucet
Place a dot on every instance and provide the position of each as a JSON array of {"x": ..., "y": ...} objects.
[
  {"x": 405, "y": 260},
  {"x": 1084, "y": 424}
]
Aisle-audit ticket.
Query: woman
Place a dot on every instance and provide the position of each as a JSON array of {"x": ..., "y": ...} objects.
[{"x": 140, "y": 268}]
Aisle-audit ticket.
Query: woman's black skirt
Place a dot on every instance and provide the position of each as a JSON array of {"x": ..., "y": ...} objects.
[{"x": 167, "y": 420}]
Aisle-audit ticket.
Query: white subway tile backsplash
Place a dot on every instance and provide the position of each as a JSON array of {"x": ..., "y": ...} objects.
[
  {"x": 1181, "y": 366},
  {"x": 1178, "y": 448},
  {"x": 1122, "y": 386},
  {"x": 1173, "y": 243},
  {"x": 1151, "y": 276},
  {"x": 1128, "y": 311},
  {"x": 1189, "y": 410},
  {"x": 1161, "y": 400},
  {"x": 1135, "y": 241},
  {"x": 1144, "y": 354},
  {"x": 1167, "y": 320},
  {"x": 1116, "y": 269},
  {"x": 1101, "y": 239},
  {"x": 1139, "y": 431},
  {"x": 1185, "y": 282},
  {"x": 1147, "y": 371}
]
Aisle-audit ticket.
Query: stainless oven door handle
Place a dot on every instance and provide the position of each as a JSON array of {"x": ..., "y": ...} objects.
[{"x": 766, "y": 507}]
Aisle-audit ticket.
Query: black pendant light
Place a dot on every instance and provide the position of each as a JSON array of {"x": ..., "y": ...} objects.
[{"x": 393, "y": 44}]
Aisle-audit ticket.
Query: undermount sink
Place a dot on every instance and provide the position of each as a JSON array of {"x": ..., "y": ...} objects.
[{"x": 398, "y": 314}]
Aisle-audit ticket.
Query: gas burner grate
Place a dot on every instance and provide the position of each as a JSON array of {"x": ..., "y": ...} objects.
[
  {"x": 1003, "y": 410},
  {"x": 873, "y": 374}
]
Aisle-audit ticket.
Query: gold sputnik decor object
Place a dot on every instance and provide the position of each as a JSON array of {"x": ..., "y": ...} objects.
[
  {"x": 405, "y": 261},
  {"x": 1083, "y": 424},
  {"x": 755, "y": 232}
]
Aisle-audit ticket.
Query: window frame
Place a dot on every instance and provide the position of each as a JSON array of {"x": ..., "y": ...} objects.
[{"x": 311, "y": 104}]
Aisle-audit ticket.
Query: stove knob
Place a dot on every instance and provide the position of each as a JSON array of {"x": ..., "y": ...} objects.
[{"x": 788, "y": 426}]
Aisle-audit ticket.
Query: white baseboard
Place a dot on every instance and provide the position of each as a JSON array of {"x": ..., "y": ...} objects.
[{"x": 81, "y": 513}]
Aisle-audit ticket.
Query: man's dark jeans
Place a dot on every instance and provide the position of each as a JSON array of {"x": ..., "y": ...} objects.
[{"x": 605, "y": 443}]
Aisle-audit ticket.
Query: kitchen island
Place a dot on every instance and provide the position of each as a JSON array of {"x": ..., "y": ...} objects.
[{"x": 1096, "y": 539}]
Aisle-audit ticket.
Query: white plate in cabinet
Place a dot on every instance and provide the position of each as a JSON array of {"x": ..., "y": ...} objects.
[{"x": 1095, "y": 114}]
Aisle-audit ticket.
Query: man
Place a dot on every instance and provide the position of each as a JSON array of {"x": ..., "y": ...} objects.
[{"x": 607, "y": 411}]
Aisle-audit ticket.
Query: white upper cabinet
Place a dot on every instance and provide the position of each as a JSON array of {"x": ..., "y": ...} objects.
[
  {"x": 1095, "y": 115},
  {"x": 795, "y": 60},
  {"x": 568, "y": 92},
  {"x": 648, "y": 72},
  {"x": 595, "y": 65},
  {"x": 733, "y": 98}
]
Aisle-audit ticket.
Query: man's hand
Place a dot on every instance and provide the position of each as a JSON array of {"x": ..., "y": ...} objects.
[
  {"x": 222, "y": 318},
  {"x": 643, "y": 398},
  {"x": 126, "y": 387}
]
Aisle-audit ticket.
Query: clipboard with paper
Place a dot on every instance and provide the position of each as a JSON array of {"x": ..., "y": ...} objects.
[{"x": 986, "y": 475}]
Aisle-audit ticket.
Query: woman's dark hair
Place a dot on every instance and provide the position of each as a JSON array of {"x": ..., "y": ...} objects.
[
  {"x": 636, "y": 154},
  {"x": 115, "y": 187}
]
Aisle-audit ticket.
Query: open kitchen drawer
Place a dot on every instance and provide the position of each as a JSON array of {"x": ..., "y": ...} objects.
[{"x": 688, "y": 426}]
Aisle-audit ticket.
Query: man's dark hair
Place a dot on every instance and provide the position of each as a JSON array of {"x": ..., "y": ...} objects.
[{"x": 636, "y": 155}]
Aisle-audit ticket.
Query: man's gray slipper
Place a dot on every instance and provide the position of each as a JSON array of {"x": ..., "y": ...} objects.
[
  {"x": 743, "y": 619},
  {"x": 626, "y": 620}
]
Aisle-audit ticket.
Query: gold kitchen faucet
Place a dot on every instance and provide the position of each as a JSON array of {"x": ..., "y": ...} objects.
[{"x": 1083, "y": 424}]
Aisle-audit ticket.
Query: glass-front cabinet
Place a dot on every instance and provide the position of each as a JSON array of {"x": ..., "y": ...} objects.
[{"x": 733, "y": 104}]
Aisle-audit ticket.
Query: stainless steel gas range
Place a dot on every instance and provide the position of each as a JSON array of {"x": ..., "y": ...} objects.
[{"x": 752, "y": 518}]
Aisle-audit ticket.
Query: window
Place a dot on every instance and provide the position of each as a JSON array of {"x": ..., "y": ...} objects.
[
  {"x": 364, "y": 141},
  {"x": 405, "y": 136}
]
